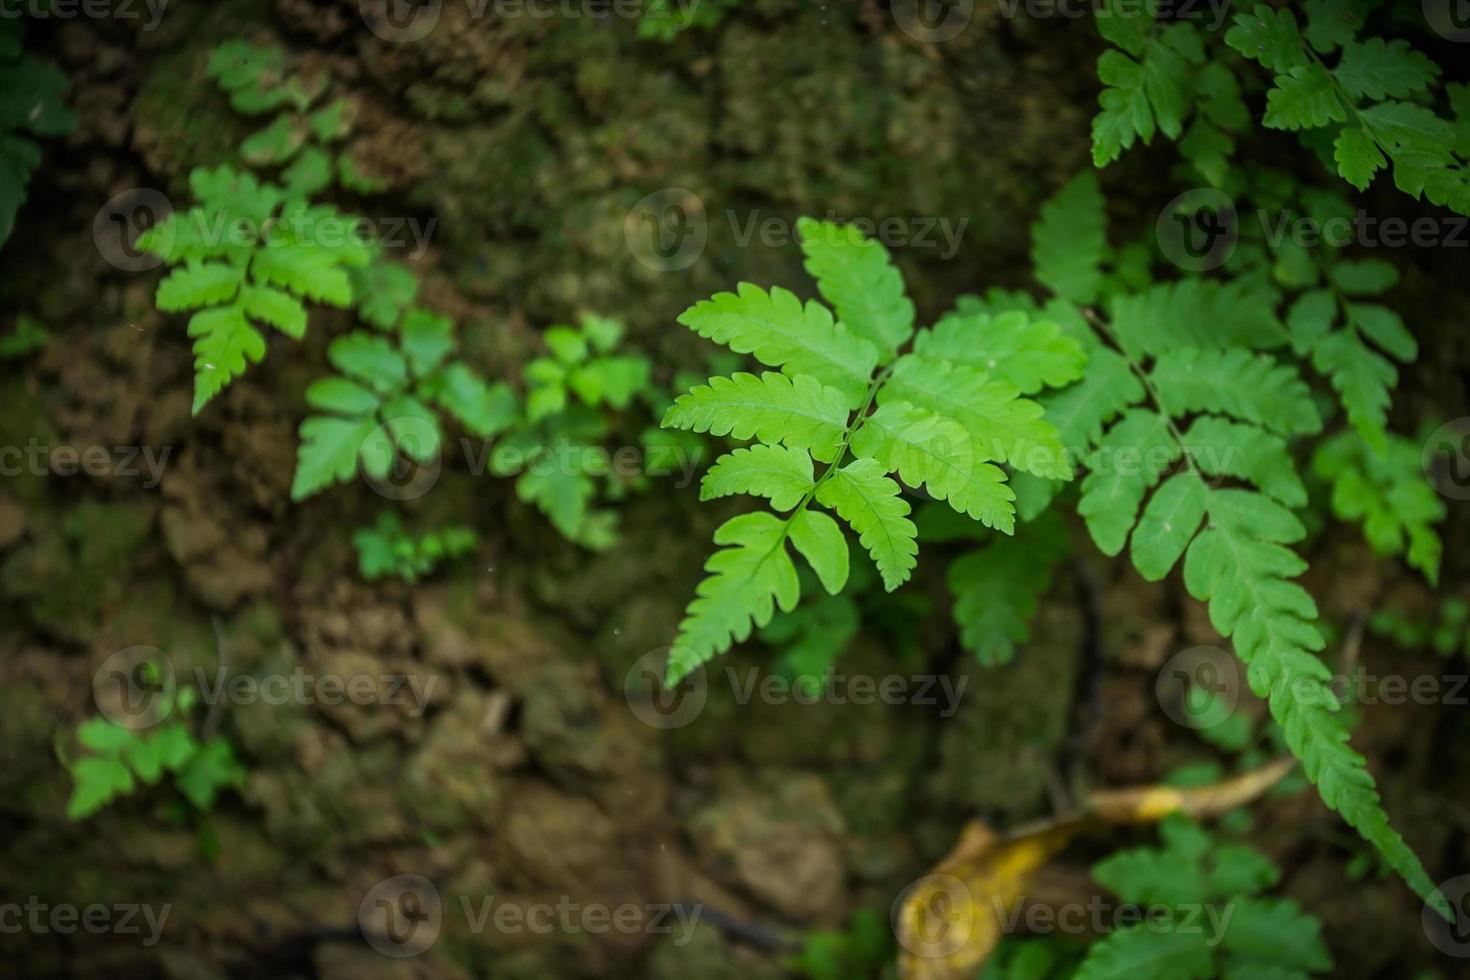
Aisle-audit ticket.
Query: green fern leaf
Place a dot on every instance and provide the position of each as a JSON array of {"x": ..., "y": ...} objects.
[
  {"x": 483, "y": 408},
  {"x": 224, "y": 345},
  {"x": 1358, "y": 157},
  {"x": 1069, "y": 243},
  {"x": 1167, "y": 525},
  {"x": 308, "y": 272},
  {"x": 1176, "y": 954},
  {"x": 781, "y": 473},
  {"x": 856, "y": 276},
  {"x": 1270, "y": 37},
  {"x": 933, "y": 451},
  {"x": 748, "y": 580},
  {"x": 329, "y": 452},
  {"x": 1238, "y": 383},
  {"x": 1239, "y": 565},
  {"x": 780, "y": 332},
  {"x": 998, "y": 587},
  {"x": 1275, "y": 933},
  {"x": 819, "y": 540},
  {"x": 1001, "y": 425},
  {"x": 1362, "y": 378},
  {"x": 426, "y": 339},
  {"x": 1030, "y": 354},
  {"x": 1221, "y": 448},
  {"x": 198, "y": 284},
  {"x": 1200, "y": 313},
  {"x": 272, "y": 306},
  {"x": 1387, "y": 492},
  {"x": 773, "y": 408},
  {"x": 370, "y": 359},
  {"x": 864, "y": 497},
  {"x": 1377, "y": 69},
  {"x": 1126, "y": 464},
  {"x": 1304, "y": 99}
]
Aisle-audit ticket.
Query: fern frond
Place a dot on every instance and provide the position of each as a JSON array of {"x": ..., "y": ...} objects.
[
  {"x": 224, "y": 345},
  {"x": 1068, "y": 241},
  {"x": 819, "y": 540},
  {"x": 934, "y": 451},
  {"x": 1202, "y": 313},
  {"x": 780, "y": 332},
  {"x": 779, "y": 472},
  {"x": 997, "y": 588},
  {"x": 1238, "y": 383},
  {"x": 1387, "y": 492},
  {"x": 198, "y": 284},
  {"x": 1241, "y": 566},
  {"x": 749, "y": 578},
  {"x": 1127, "y": 463},
  {"x": 1001, "y": 425},
  {"x": 863, "y": 496},
  {"x": 857, "y": 277},
  {"x": 800, "y": 411},
  {"x": 1029, "y": 353},
  {"x": 1221, "y": 448}
]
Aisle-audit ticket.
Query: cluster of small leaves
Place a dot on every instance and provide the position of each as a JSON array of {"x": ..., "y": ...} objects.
[
  {"x": 116, "y": 759},
  {"x": 1370, "y": 104},
  {"x": 379, "y": 411},
  {"x": 1447, "y": 633},
  {"x": 1183, "y": 418},
  {"x": 1260, "y": 937},
  {"x": 1388, "y": 494},
  {"x": 388, "y": 548},
  {"x": 259, "y": 81},
  {"x": 664, "y": 20},
  {"x": 1371, "y": 108},
  {"x": 933, "y": 416},
  {"x": 1351, "y": 340},
  {"x": 30, "y": 106},
  {"x": 244, "y": 256},
  {"x": 553, "y": 449},
  {"x": 1156, "y": 79},
  {"x": 254, "y": 252}
]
